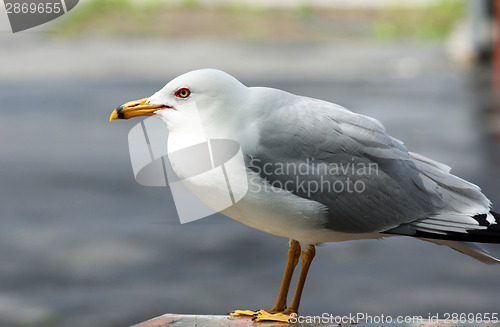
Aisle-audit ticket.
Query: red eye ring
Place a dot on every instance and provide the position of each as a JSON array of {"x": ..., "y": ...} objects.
[{"x": 182, "y": 93}]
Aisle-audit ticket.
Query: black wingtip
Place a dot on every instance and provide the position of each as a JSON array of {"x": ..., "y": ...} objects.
[{"x": 490, "y": 234}]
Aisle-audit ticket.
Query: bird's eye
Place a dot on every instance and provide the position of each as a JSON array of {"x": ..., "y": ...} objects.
[{"x": 182, "y": 93}]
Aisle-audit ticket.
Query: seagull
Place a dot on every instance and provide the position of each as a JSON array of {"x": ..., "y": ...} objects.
[{"x": 318, "y": 172}]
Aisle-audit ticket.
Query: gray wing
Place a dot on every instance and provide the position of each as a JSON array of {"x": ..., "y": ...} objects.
[{"x": 368, "y": 180}]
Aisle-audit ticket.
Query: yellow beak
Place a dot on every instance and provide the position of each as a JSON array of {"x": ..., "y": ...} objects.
[{"x": 135, "y": 109}]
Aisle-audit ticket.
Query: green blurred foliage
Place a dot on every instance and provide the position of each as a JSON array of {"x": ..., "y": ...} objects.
[
  {"x": 429, "y": 23},
  {"x": 304, "y": 23}
]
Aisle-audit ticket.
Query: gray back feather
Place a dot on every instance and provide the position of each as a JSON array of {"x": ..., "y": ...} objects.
[{"x": 395, "y": 189}]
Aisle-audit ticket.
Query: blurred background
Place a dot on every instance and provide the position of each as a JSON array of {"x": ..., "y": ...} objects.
[{"x": 82, "y": 244}]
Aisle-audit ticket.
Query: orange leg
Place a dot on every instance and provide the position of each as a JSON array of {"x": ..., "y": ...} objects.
[
  {"x": 293, "y": 259},
  {"x": 278, "y": 312},
  {"x": 307, "y": 257},
  {"x": 284, "y": 316}
]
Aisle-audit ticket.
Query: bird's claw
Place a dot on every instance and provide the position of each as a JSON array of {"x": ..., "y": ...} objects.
[
  {"x": 237, "y": 313},
  {"x": 263, "y": 315}
]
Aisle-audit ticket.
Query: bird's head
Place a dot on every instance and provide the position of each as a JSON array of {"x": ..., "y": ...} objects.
[{"x": 215, "y": 93}]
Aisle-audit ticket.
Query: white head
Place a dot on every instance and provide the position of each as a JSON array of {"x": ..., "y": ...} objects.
[{"x": 216, "y": 95}]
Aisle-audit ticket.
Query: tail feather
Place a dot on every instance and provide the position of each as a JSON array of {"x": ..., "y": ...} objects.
[
  {"x": 462, "y": 212},
  {"x": 467, "y": 248}
]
